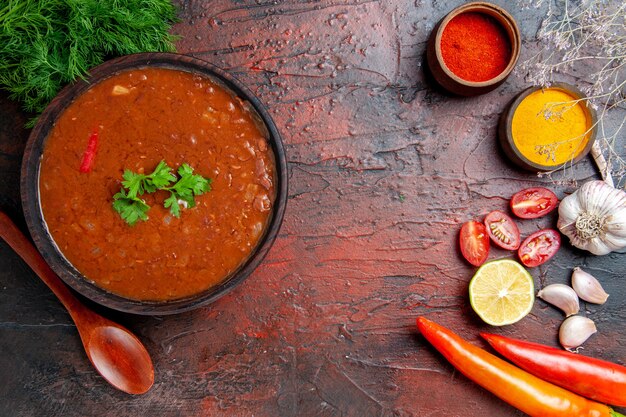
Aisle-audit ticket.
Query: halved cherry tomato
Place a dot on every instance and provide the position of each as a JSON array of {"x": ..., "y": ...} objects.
[
  {"x": 539, "y": 247},
  {"x": 474, "y": 242},
  {"x": 502, "y": 230},
  {"x": 533, "y": 202}
]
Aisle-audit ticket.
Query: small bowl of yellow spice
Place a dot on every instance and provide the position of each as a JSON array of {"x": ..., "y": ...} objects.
[{"x": 544, "y": 129}]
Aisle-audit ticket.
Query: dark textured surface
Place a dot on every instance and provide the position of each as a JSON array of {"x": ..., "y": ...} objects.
[{"x": 383, "y": 170}]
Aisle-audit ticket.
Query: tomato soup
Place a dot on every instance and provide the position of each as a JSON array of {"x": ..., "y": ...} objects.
[{"x": 142, "y": 117}]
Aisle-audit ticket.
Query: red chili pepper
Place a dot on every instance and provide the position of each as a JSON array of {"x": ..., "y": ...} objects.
[
  {"x": 593, "y": 378},
  {"x": 524, "y": 391},
  {"x": 89, "y": 155}
]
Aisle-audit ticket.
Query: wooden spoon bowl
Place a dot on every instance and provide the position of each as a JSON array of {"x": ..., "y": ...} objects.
[{"x": 113, "y": 350}]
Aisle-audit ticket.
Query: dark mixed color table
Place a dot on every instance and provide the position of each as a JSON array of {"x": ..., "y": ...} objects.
[{"x": 383, "y": 169}]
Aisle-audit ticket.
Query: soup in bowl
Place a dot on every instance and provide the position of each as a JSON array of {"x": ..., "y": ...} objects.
[{"x": 156, "y": 185}]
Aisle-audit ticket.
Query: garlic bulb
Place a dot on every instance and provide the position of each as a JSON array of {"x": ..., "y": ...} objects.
[
  {"x": 594, "y": 218},
  {"x": 561, "y": 296},
  {"x": 588, "y": 287},
  {"x": 575, "y": 330}
]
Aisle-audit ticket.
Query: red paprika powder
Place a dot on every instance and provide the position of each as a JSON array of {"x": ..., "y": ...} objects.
[{"x": 475, "y": 47}]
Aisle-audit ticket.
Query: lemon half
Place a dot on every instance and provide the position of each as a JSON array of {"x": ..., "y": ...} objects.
[{"x": 502, "y": 292}]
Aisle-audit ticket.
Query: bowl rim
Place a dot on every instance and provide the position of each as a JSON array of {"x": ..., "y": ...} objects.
[
  {"x": 506, "y": 130},
  {"x": 29, "y": 184},
  {"x": 504, "y": 18}
]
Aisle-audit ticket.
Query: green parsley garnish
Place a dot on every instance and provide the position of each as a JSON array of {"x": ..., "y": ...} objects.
[
  {"x": 182, "y": 191},
  {"x": 130, "y": 208},
  {"x": 138, "y": 184}
]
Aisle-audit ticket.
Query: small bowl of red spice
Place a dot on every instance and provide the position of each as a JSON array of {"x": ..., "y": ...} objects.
[{"x": 473, "y": 49}]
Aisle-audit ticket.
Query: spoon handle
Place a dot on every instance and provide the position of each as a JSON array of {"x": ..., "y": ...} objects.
[
  {"x": 25, "y": 249},
  {"x": 115, "y": 352}
]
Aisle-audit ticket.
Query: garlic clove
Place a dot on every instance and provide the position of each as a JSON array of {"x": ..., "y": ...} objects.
[
  {"x": 588, "y": 287},
  {"x": 561, "y": 296},
  {"x": 574, "y": 331}
]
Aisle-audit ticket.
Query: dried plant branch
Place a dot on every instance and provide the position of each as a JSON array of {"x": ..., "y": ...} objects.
[
  {"x": 587, "y": 38},
  {"x": 603, "y": 166}
]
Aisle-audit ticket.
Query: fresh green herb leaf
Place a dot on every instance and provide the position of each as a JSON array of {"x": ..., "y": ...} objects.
[
  {"x": 182, "y": 192},
  {"x": 172, "y": 203},
  {"x": 47, "y": 44},
  {"x": 131, "y": 209},
  {"x": 133, "y": 183},
  {"x": 185, "y": 170},
  {"x": 160, "y": 178},
  {"x": 138, "y": 184}
]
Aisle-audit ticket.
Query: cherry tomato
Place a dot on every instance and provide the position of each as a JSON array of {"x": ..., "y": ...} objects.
[
  {"x": 539, "y": 247},
  {"x": 474, "y": 242},
  {"x": 533, "y": 202},
  {"x": 502, "y": 230}
]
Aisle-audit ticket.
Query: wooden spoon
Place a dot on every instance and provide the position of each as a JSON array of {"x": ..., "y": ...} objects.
[{"x": 113, "y": 350}]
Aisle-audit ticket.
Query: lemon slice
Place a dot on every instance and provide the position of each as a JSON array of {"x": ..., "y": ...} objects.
[{"x": 502, "y": 292}]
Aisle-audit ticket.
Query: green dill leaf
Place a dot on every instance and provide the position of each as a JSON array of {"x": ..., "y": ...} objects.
[{"x": 47, "y": 44}]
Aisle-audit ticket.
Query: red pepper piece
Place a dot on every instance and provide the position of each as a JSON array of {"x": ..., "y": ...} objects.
[
  {"x": 522, "y": 390},
  {"x": 89, "y": 155},
  {"x": 593, "y": 378}
]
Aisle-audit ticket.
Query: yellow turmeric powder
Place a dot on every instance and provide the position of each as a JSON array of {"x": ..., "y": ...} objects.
[{"x": 550, "y": 128}]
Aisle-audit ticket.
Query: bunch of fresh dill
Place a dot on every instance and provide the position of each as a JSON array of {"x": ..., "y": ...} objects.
[{"x": 46, "y": 44}]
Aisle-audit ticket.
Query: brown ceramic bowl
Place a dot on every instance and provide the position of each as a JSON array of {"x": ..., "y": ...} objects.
[
  {"x": 450, "y": 81},
  {"x": 30, "y": 184},
  {"x": 505, "y": 133}
]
